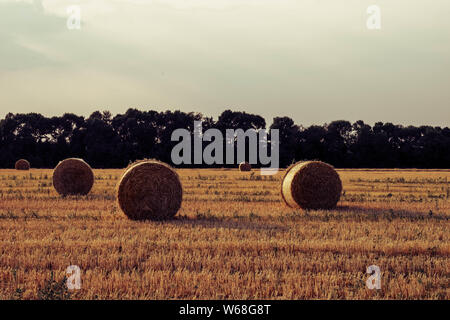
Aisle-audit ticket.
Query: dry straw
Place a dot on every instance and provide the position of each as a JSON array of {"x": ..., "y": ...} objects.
[
  {"x": 311, "y": 185},
  {"x": 245, "y": 166},
  {"x": 22, "y": 164},
  {"x": 150, "y": 190},
  {"x": 73, "y": 177}
]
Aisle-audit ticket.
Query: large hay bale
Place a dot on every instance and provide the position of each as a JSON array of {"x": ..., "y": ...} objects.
[
  {"x": 73, "y": 177},
  {"x": 311, "y": 185},
  {"x": 22, "y": 164},
  {"x": 149, "y": 190},
  {"x": 245, "y": 166}
]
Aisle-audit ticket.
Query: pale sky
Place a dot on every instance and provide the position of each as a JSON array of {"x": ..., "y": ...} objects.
[{"x": 312, "y": 60}]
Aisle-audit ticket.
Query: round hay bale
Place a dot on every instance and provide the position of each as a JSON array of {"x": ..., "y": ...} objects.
[
  {"x": 22, "y": 164},
  {"x": 245, "y": 166},
  {"x": 150, "y": 190},
  {"x": 311, "y": 185},
  {"x": 73, "y": 177}
]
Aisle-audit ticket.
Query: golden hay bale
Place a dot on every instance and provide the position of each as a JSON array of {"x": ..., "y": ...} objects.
[
  {"x": 73, "y": 177},
  {"x": 311, "y": 185},
  {"x": 245, "y": 166},
  {"x": 149, "y": 190},
  {"x": 22, "y": 164}
]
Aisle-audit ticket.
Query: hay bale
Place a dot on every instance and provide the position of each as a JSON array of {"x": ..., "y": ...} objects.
[
  {"x": 22, "y": 164},
  {"x": 245, "y": 166},
  {"x": 149, "y": 190},
  {"x": 73, "y": 177},
  {"x": 311, "y": 185}
]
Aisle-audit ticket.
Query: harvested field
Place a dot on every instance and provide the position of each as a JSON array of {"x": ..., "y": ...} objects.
[{"x": 233, "y": 238}]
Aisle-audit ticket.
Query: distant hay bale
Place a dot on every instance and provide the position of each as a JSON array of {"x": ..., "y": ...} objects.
[
  {"x": 22, "y": 164},
  {"x": 311, "y": 185},
  {"x": 150, "y": 190},
  {"x": 73, "y": 177},
  {"x": 245, "y": 166}
]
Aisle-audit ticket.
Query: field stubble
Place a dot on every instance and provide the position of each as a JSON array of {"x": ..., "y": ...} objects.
[{"x": 232, "y": 239}]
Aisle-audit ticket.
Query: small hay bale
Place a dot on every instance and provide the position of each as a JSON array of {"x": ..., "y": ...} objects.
[
  {"x": 73, "y": 177},
  {"x": 149, "y": 190},
  {"x": 22, "y": 164},
  {"x": 311, "y": 185},
  {"x": 245, "y": 166}
]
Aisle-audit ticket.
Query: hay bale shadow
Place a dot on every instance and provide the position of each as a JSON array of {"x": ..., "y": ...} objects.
[
  {"x": 390, "y": 213},
  {"x": 228, "y": 223}
]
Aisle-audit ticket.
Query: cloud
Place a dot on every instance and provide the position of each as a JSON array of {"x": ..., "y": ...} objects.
[
  {"x": 312, "y": 60},
  {"x": 38, "y": 5},
  {"x": 23, "y": 30}
]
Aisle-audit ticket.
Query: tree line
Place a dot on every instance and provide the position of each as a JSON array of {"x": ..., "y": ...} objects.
[{"x": 107, "y": 141}]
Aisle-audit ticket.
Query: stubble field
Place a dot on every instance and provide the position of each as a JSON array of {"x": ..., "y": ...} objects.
[{"x": 233, "y": 239}]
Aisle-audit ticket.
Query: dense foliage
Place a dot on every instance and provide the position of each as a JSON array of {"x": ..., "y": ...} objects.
[{"x": 105, "y": 141}]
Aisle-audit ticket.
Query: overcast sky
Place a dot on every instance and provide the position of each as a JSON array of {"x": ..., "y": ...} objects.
[{"x": 312, "y": 60}]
